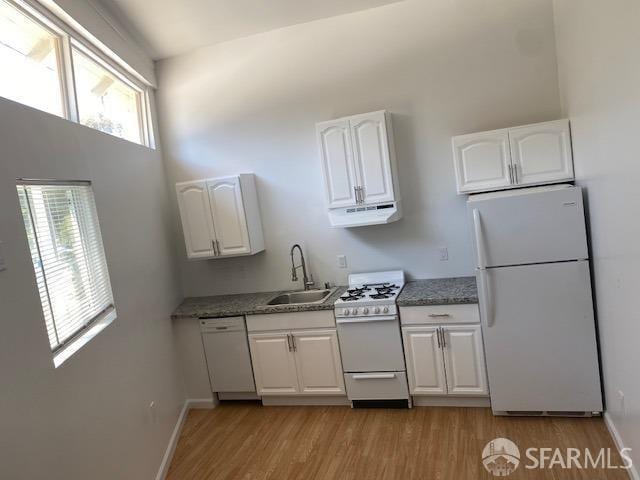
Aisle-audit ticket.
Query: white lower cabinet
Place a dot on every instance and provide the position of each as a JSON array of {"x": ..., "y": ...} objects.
[
  {"x": 445, "y": 360},
  {"x": 425, "y": 363},
  {"x": 304, "y": 362},
  {"x": 274, "y": 364}
]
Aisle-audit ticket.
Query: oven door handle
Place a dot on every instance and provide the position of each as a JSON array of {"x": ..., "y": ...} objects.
[
  {"x": 384, "y": 318},
  {"x": 374, "y": 376}
]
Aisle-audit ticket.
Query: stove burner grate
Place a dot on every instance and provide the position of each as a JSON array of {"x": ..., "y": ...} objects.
[
  {"x": 380, "y": 296},
  {"x": 351, "y": 296}
]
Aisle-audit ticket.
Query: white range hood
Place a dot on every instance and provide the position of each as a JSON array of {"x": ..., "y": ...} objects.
[
  {"x": 359, "y": 170},
  {"x": 363, "y": 215}
]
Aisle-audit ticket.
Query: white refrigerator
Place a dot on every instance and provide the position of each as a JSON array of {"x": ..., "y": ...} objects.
[{"x": 535, "y": 298}]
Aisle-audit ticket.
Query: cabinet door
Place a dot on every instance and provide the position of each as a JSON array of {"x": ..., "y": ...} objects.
[
  {"x": 464, "y": 360},
  {"x": 425, "y": 366},
  {"x": 274, "y": 365},
  {"x": 229, "y": 220},
  {"x": 318, "y": 362},
  {"x": 334, "y": 142},
  {"x": 482, "y": 161},
  {"x": 197, "y": 223},
  {"x": 371, "y": 154},
  {"x": 541, "y": 153}
]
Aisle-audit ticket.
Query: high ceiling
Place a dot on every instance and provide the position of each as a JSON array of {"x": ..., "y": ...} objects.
[{"x": 170, "y": 27}]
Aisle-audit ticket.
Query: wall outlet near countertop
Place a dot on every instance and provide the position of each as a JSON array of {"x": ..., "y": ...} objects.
[
  {"x": 443, "y": 254},
  {"x": 342, "y": 261}
]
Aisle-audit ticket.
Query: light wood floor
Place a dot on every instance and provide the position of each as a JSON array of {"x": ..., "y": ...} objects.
[{"x": 248, "y": 441}]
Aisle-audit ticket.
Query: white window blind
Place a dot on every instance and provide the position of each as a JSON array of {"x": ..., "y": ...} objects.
[{"x": 68, "y": 256}]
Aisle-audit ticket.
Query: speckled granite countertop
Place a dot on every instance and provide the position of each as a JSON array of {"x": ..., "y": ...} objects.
[
  {"x": 245, "y": 304},
  {"x": 438, "y": 291}
]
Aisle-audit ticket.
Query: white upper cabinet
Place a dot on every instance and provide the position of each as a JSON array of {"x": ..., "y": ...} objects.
[
  {"x": 534, "y": 154},
  {"x": 197, "y": 222},
  {"x": 482, "y": 161},
  {"x": 334, "y": 140},
  {"x": 229, "y": 219},
  {"x": 372, "y": 157},
  {"x": 358, "y": 161},
  {"x": 220, "y": 217},
  {"x": 541, "y": 153}
]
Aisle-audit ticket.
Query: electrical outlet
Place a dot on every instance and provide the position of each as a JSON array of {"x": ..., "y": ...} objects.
[
  {"x": 444, "y": 254},
  {"x": 342, "y": 261},
  {"x": 621, "y": 406}
]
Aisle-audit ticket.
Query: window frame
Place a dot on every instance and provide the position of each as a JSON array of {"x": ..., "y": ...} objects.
[
  {"x": 67, "y": 38},
  {"x": 82, "y": 335}
]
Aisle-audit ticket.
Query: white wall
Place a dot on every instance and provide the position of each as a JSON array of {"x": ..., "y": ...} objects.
[
  {"x": 441, "y": 67},
  {"x": 600, "y": 84},
  {"x": 88, "y": 419}
]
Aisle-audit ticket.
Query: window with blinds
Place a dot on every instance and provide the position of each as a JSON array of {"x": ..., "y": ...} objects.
[{"x": 68, "y": 257}]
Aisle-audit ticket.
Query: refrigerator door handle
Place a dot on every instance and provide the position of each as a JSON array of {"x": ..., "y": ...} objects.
[
  {"x": 477, "y": 228},
  {"x": 485, "y": 297}
]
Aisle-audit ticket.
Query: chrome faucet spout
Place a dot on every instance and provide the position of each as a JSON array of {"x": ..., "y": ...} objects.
[{"x": 306, "y": 280}]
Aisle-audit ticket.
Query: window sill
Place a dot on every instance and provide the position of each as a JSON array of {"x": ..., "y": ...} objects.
[{"x": 98, "y": 326}]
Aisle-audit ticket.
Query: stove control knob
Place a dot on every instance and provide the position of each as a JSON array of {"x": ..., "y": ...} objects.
[
  {"x": 376, "y": 310},
  {"x": 385, "y": 310},
  {"x": 345, "y": 311},
  {"x": 365, "y": 310},
  {"x": 354, "y": 311}
]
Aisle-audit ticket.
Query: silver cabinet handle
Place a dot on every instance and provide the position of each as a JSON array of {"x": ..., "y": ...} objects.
[
  {"x": 215, "y": 251},
  {"x": 444, "y": 337},
  {"x": 218, "y": 247},
  {"x": 439, "y": 315},
  {"x": 355, "y": 194},
  {"x": 289, "y": 342},
  {"x": 511, "y": 174},
  {"x": 438, "y": 334},
  {"x": 515, "y": 173},
  {"x": 361, "y": 189},
  {"x": 293, "y": 341}
]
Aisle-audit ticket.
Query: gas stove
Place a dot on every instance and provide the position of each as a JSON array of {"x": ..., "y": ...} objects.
[
  {"x": 370, "y": 294},
  {"x": 370, "y": 340}
]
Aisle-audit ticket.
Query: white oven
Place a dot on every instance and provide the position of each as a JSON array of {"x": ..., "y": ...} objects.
[{"x": 371, "y": 344}]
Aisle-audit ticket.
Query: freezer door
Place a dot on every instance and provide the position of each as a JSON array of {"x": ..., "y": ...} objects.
[
  {"x": 540, "y": 339},
  {"x": 531, "y": 226}
]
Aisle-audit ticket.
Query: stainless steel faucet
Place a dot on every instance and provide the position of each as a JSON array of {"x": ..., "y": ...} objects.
[{"x": 306, "y": 280}]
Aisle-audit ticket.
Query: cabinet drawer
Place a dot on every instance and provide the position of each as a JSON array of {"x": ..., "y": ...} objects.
[
  {"x": 376, "y": 386},
  {"x": 439, "y": 314},
  {"x": 291, "y": 321}
]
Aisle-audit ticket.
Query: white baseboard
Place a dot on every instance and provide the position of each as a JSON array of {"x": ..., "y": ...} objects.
[
  {"x": 617, "y": 439},
  {"x": 175, "y": 435}
]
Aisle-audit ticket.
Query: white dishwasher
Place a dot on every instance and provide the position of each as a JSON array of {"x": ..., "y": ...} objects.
[{"x": 226, "y": 349}]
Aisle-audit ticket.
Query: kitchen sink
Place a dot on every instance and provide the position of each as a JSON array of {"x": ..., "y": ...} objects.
[{"x": 302, "y": 297}]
